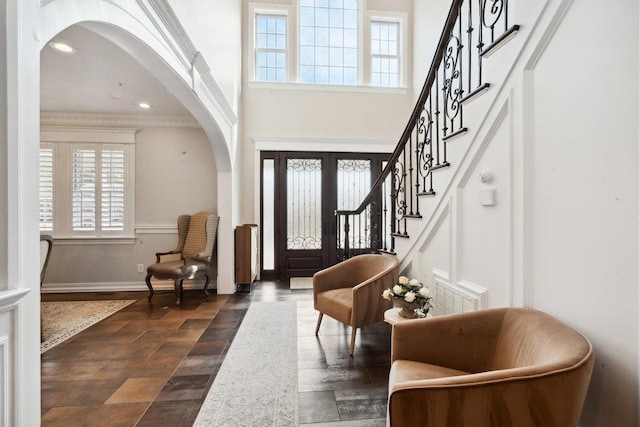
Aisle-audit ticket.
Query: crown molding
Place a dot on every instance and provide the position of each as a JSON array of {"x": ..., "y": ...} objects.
[{"x": 115, "y": 120}]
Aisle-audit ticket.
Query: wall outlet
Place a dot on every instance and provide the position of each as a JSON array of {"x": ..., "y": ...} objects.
[{"x": 140, "y": 268}]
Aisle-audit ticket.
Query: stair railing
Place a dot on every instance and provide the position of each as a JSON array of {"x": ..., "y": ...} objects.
[{"x": 474, "y": 29}]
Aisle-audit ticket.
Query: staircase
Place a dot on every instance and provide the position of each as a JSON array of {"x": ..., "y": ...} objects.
[{"x": 473, "y": 31}]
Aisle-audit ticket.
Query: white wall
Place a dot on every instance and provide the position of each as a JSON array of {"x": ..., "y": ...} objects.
[
  {"x": 559, "y": 131},
  {"x": 585, "y": 196},
  {"x": 307, "y": 113},
  {"x": 214, "y": 27}
]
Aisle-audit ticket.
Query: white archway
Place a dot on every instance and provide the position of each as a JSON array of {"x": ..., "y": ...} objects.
[{"x": 28, "y": 27}]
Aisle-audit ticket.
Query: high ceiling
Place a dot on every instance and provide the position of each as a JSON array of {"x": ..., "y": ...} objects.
[{"x": 100, "y": 78}]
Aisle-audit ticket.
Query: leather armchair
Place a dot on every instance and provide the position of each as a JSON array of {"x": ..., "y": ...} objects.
[
  {"x": 351, "y": 291},
  {"x": 191, "y": 258},
  {"x": 498, "y": 367}
]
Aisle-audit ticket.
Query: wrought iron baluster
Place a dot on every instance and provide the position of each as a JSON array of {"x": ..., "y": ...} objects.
[
  {"x": 437, "y": 114},
  {"x": 469, "y": 41},
  {"x": 480, "y": 43},
  {"x": 408, "y": 150}
]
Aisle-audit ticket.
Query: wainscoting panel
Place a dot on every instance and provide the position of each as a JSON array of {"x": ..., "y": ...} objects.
[{"x": 5, "y": 410}]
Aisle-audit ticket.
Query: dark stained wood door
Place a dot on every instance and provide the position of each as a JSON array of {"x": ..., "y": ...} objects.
[{"x": 302, "y": 190}]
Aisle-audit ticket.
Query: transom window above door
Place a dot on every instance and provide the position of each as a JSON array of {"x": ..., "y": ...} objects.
[{"x": 326, "y": 42}]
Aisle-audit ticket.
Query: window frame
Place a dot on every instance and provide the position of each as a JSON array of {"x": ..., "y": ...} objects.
[
  {"x": 257, "y": 50},
  {"x": 359, "y": 46},
  {"x": 365, "y": 16},
  {"x": 399, "y": 18},
  {"x": 256, "y": 9},
  {"x": 63, "y": 143}
]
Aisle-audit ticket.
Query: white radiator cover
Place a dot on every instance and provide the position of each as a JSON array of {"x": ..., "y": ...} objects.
[{"x": 461, "y": 297}]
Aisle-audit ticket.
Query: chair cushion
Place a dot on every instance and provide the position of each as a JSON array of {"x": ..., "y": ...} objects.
[
  {"x": 196, "y": 240},
  {"x": 409, "y": 370},
  {"x": 336, "y": 303},
  {"x": 174, "y": 268}
]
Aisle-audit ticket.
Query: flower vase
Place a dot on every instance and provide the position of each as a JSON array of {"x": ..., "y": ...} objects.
[{"x": 407, "y": 310}]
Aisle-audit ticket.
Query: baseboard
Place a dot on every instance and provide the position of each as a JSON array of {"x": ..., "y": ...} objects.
[{"x": 158, "y": 285}]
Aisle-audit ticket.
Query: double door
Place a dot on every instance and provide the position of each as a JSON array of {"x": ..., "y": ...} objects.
[{"x": 300, "y": 193}]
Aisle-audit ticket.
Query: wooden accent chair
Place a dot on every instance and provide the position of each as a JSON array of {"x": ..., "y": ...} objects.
[
  {"x": 351, "y": 291},
  {"x": 497, "y": 367},
  {"x": 191, "y": 258},
  {"x": 46, "y": 243}
]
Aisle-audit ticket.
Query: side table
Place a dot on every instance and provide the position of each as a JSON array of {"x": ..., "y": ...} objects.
[{"x": 392, "y": 317}]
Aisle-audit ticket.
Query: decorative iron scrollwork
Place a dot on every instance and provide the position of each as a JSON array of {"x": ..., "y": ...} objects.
[
  {"x": 452, "y": 85},
  {"x": 492, "y": 13}
]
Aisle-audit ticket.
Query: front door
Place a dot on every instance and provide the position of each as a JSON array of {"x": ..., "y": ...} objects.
[{"x": 301, "y": 191}]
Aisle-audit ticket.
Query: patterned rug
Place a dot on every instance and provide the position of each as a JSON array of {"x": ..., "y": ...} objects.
[
  {"x": 63, "y": 319},
  {"x": 257, "y": 384}
]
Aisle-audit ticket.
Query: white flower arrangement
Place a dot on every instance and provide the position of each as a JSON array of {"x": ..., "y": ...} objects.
[{"x": 410, "y": 291}]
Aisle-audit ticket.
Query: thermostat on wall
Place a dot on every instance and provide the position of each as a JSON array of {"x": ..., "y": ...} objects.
[{"x": 487, "y": 197}]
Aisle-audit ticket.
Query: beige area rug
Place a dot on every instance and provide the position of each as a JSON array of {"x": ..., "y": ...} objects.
[
  {"x": 63, "y": 319},
  {"x": 301, "y": 283},
  {"x": 257, "y": 384}
]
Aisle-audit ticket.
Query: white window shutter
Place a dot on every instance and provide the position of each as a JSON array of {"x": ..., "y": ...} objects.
[
  {"x": 46, "y": 188},
  {"x": 83, "y": 190},
  {"x": 112, "y": 209}
]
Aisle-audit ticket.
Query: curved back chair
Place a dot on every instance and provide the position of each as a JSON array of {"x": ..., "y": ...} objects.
[
  {"x": 46, "y": 243},
  {"x": 191, "y": 258},
  {"x": 351, "y": 291},
  {"x": 497, "y": 367}
]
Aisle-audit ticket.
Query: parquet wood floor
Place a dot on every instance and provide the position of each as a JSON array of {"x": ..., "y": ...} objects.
[{"x": 152, "y": 364}]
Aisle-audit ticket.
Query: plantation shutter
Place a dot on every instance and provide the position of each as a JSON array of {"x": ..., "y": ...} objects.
[
  {"x": 46, "y": 188},
  {"x": 113, "y": 190},
  {"x": 83, "y": 190}
]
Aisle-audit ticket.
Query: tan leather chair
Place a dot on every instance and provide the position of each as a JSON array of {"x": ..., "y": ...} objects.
[
  {"x": 191, "y": 258},
  {"x": 498, "y": 367},
  {"x": 351, "y": 291}
]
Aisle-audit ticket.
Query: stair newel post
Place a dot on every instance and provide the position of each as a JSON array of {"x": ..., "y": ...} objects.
[
  {"x": 339, "y": 246},
  {"x": 384, "y": 213}
]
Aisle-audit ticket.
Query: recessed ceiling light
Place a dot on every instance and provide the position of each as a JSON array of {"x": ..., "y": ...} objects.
[
  {"x": 62, "y": 47},
  {"x": 144, "y": 105}
]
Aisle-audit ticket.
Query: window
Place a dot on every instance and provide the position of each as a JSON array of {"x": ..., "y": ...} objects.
[
  {"x": 385, "y": 61},
  {"x": 46, "y": 187},
  {"x": 271, "y": 48},
  {"x": 328, "y": 42},
  {"x": 86, "y": 189}
]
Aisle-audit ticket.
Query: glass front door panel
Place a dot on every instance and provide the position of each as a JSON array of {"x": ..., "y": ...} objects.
[
  {"x": 268, "y": 214},
  {"x": 353, "y": 184},
  {"x": 304, "y": 204}
]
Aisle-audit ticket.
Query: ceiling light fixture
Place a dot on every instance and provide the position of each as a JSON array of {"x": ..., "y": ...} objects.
[
  {"x": 62, "y": 47},
  {"x": 144, "y": 105}
]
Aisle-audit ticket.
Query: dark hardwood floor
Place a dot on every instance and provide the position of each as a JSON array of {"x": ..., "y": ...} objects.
[{"x": 153, "y": 364}]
